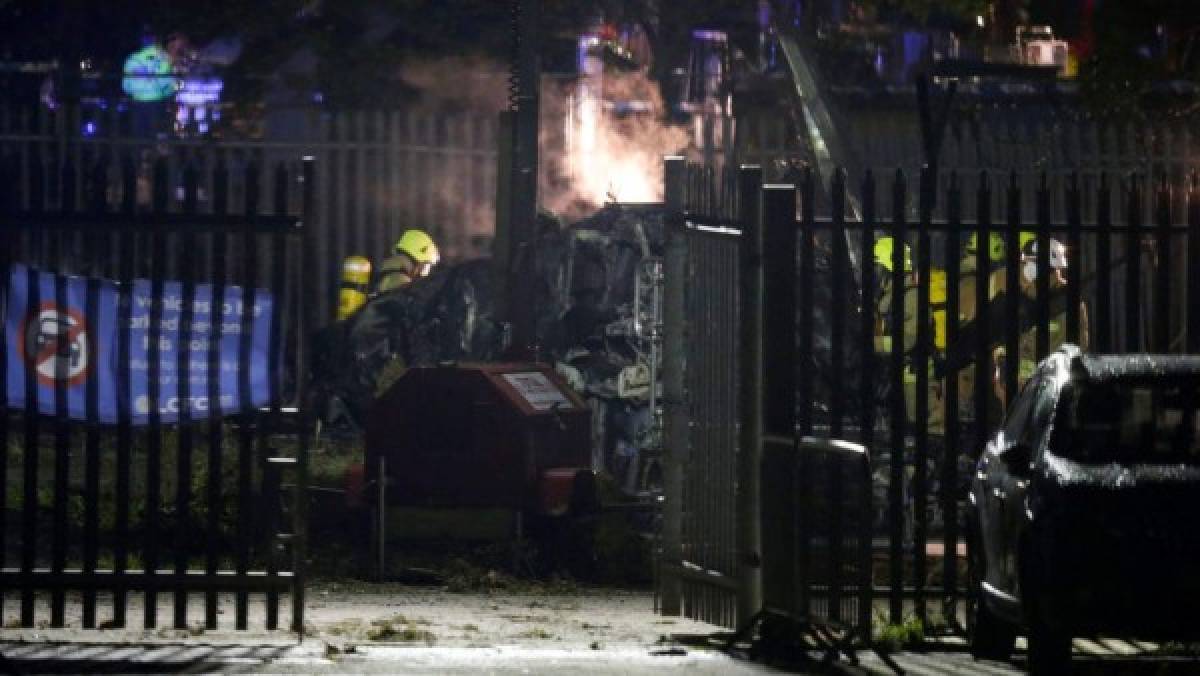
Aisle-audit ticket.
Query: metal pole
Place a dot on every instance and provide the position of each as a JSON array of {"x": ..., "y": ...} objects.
[
  {"x": 750, "y": 394},
  {"x": 502, "y": 241},
  {"x": 381, "y": 534},
  {"x": 675, "y": 421},
  {"x": 523, "y": 222}
]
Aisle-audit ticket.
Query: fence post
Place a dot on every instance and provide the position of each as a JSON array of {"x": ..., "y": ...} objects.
[
  {"x": 675, "y": 422},
  {"x": 1193, "y": 268},
  {"x": 806, "y": 273},
  {"x": 921, "y": 360},
  {"x": 899, "y": 417},
  {"x": 1042, "y": 261},
  {"x": 1012, "y": 291},
  {"x": 953, "y": 257},
  {"x": 867, "y": 401},
  {"x": 839, "y": 267},
  {"x": 1162, "y": 279},
  {"x": 9, "y": 203},
  {"x": 1074, "y": 272},
  {"x": 750, "y": 395},
  {"x": 1133, "y": 265}
]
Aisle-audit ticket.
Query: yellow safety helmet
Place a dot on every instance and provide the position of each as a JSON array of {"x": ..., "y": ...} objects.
[
  {"x": 996, "y": 244},
  {"x": 419, "y": 246},
  {"x": 356, "y": 280},
  {"x": 1024, "y": 238},
  {"x": 885, "y": 248}
]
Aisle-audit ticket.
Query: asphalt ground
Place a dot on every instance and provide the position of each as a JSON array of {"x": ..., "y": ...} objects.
[{"x": 357, "y": 628}]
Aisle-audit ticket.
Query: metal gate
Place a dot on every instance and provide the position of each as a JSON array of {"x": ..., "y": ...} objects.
[
  {"x": 912, "y": 377},
  {"x": 146, "y": 365},
  {"x": 700, "y": 357}
]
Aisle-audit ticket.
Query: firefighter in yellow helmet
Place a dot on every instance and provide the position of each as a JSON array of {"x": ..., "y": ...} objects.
[
  {"x": 883, "y": 254},
  {"x": 355, "y": 285},
  {"x": 1056, "y": 330},
  {"x": 414, "y": 256}
]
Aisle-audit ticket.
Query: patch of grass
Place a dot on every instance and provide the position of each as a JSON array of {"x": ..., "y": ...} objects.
[
  {"x": 536, "y": 633},
  {"x": 908, "y": 634},
  {"x": 400, "y": 629}
]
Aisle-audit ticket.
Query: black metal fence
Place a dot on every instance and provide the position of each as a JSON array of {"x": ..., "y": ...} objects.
[
  {"x": 146, "y": 360},
  {"x": 919, "y": 377}
]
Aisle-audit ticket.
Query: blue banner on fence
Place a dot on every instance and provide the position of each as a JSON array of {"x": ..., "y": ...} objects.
[{"x": 35, "y": 341}]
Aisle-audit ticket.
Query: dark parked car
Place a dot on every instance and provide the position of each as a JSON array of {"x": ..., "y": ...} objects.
[{"x": 1084, "y": 508}]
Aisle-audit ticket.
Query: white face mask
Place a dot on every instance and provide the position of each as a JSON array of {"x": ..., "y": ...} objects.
[{"x": 1029, "y": 271}]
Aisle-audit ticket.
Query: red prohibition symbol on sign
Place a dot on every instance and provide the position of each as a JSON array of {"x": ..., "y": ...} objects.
[{"x": 55, "y": 335}]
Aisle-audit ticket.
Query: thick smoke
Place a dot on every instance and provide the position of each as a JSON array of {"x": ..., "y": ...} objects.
[
  {"x": 600, "y": 143},
  {"x": 604, "y": 143}
]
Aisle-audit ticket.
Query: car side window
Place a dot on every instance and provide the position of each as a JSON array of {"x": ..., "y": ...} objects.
[{"x": 1022, "y": 407}]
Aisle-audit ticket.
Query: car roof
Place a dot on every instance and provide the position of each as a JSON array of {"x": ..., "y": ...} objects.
[{"x": 1116, "y": 367}]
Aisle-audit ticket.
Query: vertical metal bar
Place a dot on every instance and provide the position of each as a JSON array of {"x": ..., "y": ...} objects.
[
  {"x": 154, "y": 431},
  {"x": 1042, "y": 292},
  {"x": 724, "y": 407},
  {"x": 675, "y": 421},
  {"x": 837, "y": 236},
  {"x": 29, "y": 494},
  {"x": 755, "y": 215},
  {"x": 308, "y": 260},
  {"x": 245, "y": 398},
  {"x": 335, "y": 231},
  {"x": 983, "y": 332},
  {"x": 1104, "y": 237},
  {"x": 300, "y": 499},
  {"x": 62, "y": 422},
  {"x": 1075, "y": 258},
  {"x": 216, "y": 419},
  {"x": 802, "y": 474},
  {"x": 1133, "y": 265},
  {"x": 379, "y": 195},
  {"x": 126, "y": 255},
  {"x": 899, "y": 413},
  {"x": 279, "y": 275},
  {"x": 928, "y": 187},
  {"x": 1012, "y": 288},
  {"x": 183, "y": 393},
  {"x": 1162, "y": 280},
  {"x": 1193, "y": 266},
  {"x": 32, "y": 412},
  {"x": 808, "y": 186},
  {"x": 867, "y": 406},
  {"x": 96, "y": 242},
  {"x": 950, "y": 478},
  {"x": 361, "y": 183},
  {"x": 838, "y": 293},
  {"x": 9, "y": 204}
]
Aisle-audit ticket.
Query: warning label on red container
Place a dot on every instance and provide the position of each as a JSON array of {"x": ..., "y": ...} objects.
[{"x": 537, "y": 390}]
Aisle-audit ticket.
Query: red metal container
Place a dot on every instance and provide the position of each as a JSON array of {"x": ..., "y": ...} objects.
[{"x": 495, "y": 437}]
